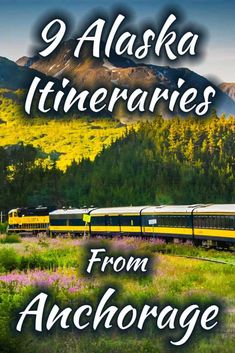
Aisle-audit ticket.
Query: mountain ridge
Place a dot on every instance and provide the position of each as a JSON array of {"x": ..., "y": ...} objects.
[
  {"x": 229, "y": 89},
  {"x": 88, "y": 72},
  {"x": 13, "y": 76}
]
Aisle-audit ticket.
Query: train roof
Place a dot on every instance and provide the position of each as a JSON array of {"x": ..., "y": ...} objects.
[
  {"x": 12, "y": 210},
  {"x": 129, "y": 210},
  {"x": 33, "y": 211},
  {"x": 170, "y": 209},
  {"x": 217, "y": 209},
  {"x": 67, "y": 211},
  {"x": 31, "y": 208},
  {"x": 163, "y": 209}
]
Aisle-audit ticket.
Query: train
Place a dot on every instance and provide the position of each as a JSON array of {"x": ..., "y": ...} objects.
[
  {"x": 29, "y": 219},
  {"x": 200, "y": 223}
]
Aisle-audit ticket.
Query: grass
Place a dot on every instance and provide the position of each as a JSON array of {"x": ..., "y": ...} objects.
[{"x": 174, "y": 279}]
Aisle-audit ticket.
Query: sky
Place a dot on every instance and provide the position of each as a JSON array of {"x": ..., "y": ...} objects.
[{"x": 19, "y": 18}]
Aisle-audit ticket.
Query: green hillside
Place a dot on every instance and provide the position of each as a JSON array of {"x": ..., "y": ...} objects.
[
  {"x": 62, "y": 140},
  {"x": 163, "y": 161},
  {"x": 58, "y": 161}
]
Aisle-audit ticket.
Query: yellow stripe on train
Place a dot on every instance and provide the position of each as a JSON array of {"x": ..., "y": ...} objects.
[
  {"x": 119, "y": 229},
  {"x": 28, "y": 220},
  {"x": 214, "y": 232},
  {"x": 167, "y": 230},
  {"x": 69, "y": 228},
  {"x": 26, "y": 229},
  {"x": 188, "y": 231}
]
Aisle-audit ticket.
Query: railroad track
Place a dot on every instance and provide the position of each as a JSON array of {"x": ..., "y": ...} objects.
[
  {"x": 195, "y": 257},
  {"x": 202, "y": 259}
]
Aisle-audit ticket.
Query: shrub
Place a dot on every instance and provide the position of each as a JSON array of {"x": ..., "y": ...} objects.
[
  {"x": 3, "y": 228},
  {"x": 9, "y": 260},
  {"x": 9, "y": 239}
]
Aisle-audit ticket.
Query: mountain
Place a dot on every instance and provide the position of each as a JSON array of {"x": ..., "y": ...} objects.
[
  {"x": 13, "y": 76},
  {"x": 118, "y": 70},
  {"x": 229, "y": 89}
]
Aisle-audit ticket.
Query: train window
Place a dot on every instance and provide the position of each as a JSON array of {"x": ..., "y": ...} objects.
[
  {"x": 177, "y": 221},
  {"x": 202, "y": 221},
  {"x": 221, "y": 222},
  {"x": 206, "y": 222},
  {"x": 76, "y": 222},
  {"x": 229, "y": 222},
  {"x": 112, "y": 220},
  {"x": 196, "y": 222},
  {"x": 174, "y": 221},
  {"x": 130, "y": 220},
  {"x": 147, "y": 218},
  {"x": 163, "y": 221},
  {"x": 233, "y": 222},
  {"x": 214, "y": 222},
  {"x": 98, "y": 220},
  {"x": 159, "y": 221},
  {"x": 58, "y": 222},
  {"x": 167, "y": 221},
  {"x": 217, "y": 222},
  {"x": 210, "y": 222}
]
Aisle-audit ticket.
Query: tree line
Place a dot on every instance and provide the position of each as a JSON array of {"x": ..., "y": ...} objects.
[{"x": 176, "y": 161}]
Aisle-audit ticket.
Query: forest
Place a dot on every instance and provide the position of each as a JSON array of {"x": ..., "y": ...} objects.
[{"x": 175, "y": 161}]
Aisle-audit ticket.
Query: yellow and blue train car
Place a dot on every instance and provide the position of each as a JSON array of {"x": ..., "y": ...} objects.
[
  {"x": 117, "y": 220},
  {"x": 215, "y": 223},
  {"x": 168, "y": 221},
  {"x": 69, "y": 221},
  {"x": 197, "y": 223}
]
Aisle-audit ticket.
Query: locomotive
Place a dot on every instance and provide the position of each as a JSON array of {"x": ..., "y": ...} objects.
[{"x": 29, "y": 219}]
